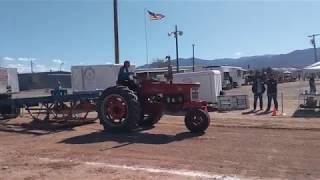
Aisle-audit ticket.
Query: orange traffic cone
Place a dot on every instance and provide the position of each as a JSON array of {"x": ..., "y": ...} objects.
[{"x": 274, "y": 112}]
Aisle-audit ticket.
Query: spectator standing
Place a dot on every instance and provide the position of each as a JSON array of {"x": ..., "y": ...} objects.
[
  {"x": 312, "y": 85},
  {"x": 231, "y": 81},
  {"x": 258, "y": 89},
  {"x": 272, "y": 92}
]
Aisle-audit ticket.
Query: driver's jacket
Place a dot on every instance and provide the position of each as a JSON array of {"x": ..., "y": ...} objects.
[{"x": 124, "y": 74}]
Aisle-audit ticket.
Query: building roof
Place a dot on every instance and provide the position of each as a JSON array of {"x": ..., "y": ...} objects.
[
  {"x": 163, "y": 69},
  {"x": 225, "y": 66}
]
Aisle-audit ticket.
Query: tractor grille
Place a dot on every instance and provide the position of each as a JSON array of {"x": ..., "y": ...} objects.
[{"x": 194, "y": 94}]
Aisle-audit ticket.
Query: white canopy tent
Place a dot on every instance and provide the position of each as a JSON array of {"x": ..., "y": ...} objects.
[
  {"x": 287, "y": 72},
  {"x": 313, "y": 68}
]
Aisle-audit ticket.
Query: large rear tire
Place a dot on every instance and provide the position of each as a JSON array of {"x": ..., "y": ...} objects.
[
  {"x": 118, "y": 109},
  {"x": 197, "y": 120}
]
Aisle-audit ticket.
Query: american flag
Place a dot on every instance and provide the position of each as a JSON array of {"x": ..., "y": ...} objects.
[{"x": 155, "y": 16}]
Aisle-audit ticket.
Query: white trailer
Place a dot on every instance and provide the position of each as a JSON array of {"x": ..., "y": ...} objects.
[
  {"x": 9, "y": 81},
  {"x": 210, "y": 83},
  {"x": 236, "y": 74},
  {"x": 87, "y": 78}
]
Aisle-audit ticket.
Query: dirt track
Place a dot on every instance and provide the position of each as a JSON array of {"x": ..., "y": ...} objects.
[{"x": 235, "y": 146}]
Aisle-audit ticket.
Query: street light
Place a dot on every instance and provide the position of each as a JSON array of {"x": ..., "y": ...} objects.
[
  {"x": 176, "y": 33},
  {"x": 313, "y": 42},
  {"x": 31, "y": 65}
]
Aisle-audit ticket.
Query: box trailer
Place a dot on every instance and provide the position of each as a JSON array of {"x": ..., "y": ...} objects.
[
  {"x": 87, "y": 78},
  {"x": 210, "y": 83},
  {"x": 233, "y": 102},
  {"x": 9, "y": 81},
  {"x": 236, "y": 74}
]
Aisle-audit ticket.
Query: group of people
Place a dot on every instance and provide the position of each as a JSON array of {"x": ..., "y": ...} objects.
[{"x": 259, "y": 86}]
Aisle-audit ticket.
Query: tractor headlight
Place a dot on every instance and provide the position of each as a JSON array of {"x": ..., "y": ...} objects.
[{"x": 194, "y": 94}]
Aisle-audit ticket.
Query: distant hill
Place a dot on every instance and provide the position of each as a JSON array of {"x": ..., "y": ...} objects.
[{"x": 297, "y": 58}]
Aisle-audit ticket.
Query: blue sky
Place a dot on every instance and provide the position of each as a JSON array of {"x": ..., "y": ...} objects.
[{"x": 81, "y": 31}]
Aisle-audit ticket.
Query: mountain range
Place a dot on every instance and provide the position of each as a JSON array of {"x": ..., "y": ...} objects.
[{"x": 297, "y": 59}]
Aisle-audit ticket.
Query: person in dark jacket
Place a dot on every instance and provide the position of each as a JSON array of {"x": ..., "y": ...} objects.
[
  {"x": 312, "y": 85},
  {"x": 124, "y": 76},
  {"x": 258, "y": 89},
  {"x": 272, "y": 92},
  {"x": 124, "y": 73}
]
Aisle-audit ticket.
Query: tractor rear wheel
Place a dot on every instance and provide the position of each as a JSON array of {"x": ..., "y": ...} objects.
[
  {"x": 197, "y": 120},
  {"x": 118, "y": 109}
]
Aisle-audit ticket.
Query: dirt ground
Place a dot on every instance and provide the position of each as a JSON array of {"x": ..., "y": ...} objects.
[{"x": 235, "y": 146}]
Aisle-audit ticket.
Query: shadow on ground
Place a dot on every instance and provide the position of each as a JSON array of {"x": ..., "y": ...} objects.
[
  {"x": 129, "y": 138},
  {"x": 303, "y": 113},
  {"x": 250, "y": 112},
  {"x": 39, "y": 127}
]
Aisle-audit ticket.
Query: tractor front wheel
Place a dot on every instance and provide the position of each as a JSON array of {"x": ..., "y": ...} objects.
[
  {"x": 118, "y": 109},
  {"x": 197, "y": 120}
]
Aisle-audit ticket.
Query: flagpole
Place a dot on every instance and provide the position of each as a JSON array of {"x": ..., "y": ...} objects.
[{"x": 146, "y": 35}]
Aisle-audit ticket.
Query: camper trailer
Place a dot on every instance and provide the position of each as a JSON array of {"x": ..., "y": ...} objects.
[
  {"x": 210, "y": 83},
  {"x": 231, "y": 76}
]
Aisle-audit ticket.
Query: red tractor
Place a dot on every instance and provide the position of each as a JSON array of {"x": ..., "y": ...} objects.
[{"x": 122, "y": 109}]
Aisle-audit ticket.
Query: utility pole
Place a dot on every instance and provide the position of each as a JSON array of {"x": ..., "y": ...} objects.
[
  {"x": 176, "y": 33},
  {"x": 177, "y": 47},
  {"x": 31, "y": 65},
  {"x": 193, "y": 57},
  {"x": 116, "y": 33},
  {"x": 313, "y": 42},
  {"x": 61, "y": 64}
]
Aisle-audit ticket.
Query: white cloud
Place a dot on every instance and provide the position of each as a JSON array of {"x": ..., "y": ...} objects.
[
  {"x": 26, "y": 59},
  {"x": 8, "y": 58},
  {"x": 41, "y": 68},
  {"x": 238, "y": 54},
  {"x": 22, "y": 68},
  {"x": 58, "y": 61},
  {"x": 54, "y": 69},
  {"x": 25, "y": 68}
]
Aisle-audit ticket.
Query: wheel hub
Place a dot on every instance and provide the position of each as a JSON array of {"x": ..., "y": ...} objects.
[{"x": 116, "y": 107}]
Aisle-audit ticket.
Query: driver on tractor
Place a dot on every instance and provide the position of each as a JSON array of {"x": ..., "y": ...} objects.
[{"x": 124, "y": 76}]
